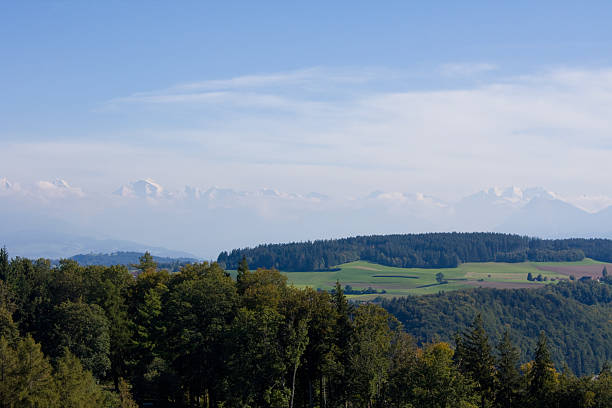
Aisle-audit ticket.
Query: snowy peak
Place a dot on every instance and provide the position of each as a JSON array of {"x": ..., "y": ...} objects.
[
  {"x": 146, "y": 188},
  {"x": 149, "y": 189},
  {"x": 539, "y": 192},
  {"x": 220, "y": 194},
  {"x": 405, "y": 198},
  {"x": 7, "y": 187},
  {"x": 58, "y": 188},
  {"x": 316, "y": 196},
  {"x": 513, "y": 196}
]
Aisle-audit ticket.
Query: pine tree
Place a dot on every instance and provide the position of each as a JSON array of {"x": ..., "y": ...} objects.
[
  {"x": 343, "y": 333},
  {"x": 8, "y": 328},
  {"x": 4, "y": 264},
  {"x": 474, "y": 358},
  {"x": 542, "y": 375},
  {"x": 35, "y": 384},
  {"x": 77, "y": 387},
  {"x": 508, "y": 377},
  {"x": 146, "y": 263},
  {"x": 8, "y": 374},
  {"x": 243, "y": 270}
]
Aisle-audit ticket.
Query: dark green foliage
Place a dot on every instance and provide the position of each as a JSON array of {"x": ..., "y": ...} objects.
[
  {"x": 574, "y": 316},
  {"x": 197, "y": 312},
  {"x": 433, "y": 250},
  {"x": 369, "y": 347},
  {"x": 349, "y": 290},
  {"x": 474, "y": 358},
  {"x": 197, "y": 338},
  {"x": 541, "y": 376},
  {"x": 4, "y": 264},
  {"x": 146, "y": 263},
  {"x": 76, "y": 386},
  {"x": 243, "y": 269},
  {"x": 27, "y": 376},
  {"x": 83, "y": 329},
  {"x": 508, "y": 376},
  {"x": 27, "y": 379}
]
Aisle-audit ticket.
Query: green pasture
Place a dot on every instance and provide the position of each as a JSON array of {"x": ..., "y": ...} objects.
[{"x": 415, "y": 281}]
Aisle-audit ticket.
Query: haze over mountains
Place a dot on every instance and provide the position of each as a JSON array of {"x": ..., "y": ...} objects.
[{"x": 55, "y": 219}]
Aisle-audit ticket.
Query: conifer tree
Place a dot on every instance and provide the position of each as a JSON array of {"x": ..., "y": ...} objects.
[
  {"x": 474, "y": 359},
  {"x": 35, "y": 384},
  {"x": 8, "y": 370},
  {"x": 243, "y": 269},
  {"x": 77, "y": 387},
  {"x": 508, "y": 376},
  {"x": 4, "y": 264},
  {"x": 8, "y": 328},
  {"x": 146, "y": 263},
  {"x": 542, "y": 375},
  {"x": 343, "y": 335}
]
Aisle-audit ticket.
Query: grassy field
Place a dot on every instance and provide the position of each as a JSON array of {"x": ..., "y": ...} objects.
[{"x": 417, "y": 281}]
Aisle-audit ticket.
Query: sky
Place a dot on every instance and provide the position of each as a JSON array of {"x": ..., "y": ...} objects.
[{"x": 339, "y": 98}]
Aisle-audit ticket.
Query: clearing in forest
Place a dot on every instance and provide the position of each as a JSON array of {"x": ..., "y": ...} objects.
[{"x": 391, "y": 282}]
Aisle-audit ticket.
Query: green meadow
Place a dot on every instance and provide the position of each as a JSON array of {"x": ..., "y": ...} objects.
[{"x": 417, "y": 281}]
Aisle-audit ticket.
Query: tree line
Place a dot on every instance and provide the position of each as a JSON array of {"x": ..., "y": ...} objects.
[
  {"x": 83, "y": 336},
  {"x": 432, "y": 250}
]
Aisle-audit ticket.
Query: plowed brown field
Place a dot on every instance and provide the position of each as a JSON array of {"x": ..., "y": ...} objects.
[{"x": 579, "y": 271}]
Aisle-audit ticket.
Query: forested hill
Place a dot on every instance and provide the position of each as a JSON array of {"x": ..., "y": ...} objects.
[
  {"x": 433, "y": 250},
  {"x": 128, "y": 258},
  {"x": 574, "y": 316}
]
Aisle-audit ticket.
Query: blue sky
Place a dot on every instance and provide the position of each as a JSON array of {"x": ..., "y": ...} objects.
[
  {"x": 63, "y": 59},
  {"x": 424, "y": 101},
  {"x": 101, "y": 93}
]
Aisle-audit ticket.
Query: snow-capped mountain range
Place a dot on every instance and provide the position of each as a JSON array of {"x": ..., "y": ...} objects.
[
  {"x": 149, "y": 189},
  {"x": 145, "y": 211}
]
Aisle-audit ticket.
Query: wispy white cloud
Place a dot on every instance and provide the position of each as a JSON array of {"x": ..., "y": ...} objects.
[
  {"x": 308, "y": 78},
  {"x": 264, "y": 90},
  {"x": 358, "y": 131}
]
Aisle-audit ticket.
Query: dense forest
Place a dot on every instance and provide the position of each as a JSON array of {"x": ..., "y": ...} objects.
[
  {"x": 574, "y": 316},
  {"x": 96, "y": 336},
  {"x": 434, "y": 250}
]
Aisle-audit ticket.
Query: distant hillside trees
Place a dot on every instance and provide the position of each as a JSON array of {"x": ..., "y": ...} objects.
[
  {"x": 434, "y": 250},
  {"x": 128, "y": 258},
  {"x": 574, "y": 316}
]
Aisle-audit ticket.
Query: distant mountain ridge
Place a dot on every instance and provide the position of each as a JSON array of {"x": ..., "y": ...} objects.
[
  {"x": 55, "y": 245},
  {"x": 128, "y": 259},
  {"x": 57, "y": 218}
]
